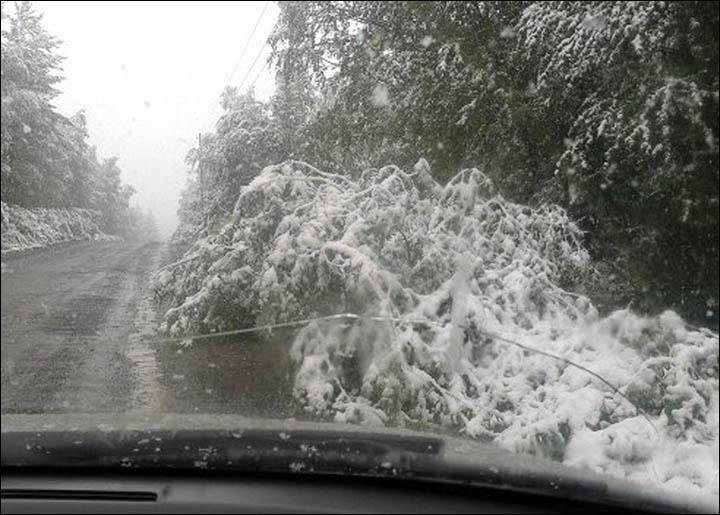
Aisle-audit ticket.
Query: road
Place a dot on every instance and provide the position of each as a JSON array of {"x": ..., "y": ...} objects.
[
  {"x": 78, "y": 335},
  {"x": 66, "y": 312}
]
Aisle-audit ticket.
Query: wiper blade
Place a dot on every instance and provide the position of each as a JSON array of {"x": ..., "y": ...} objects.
[
  {"x": 229, "y": 443},
  {"x": 240, "y": 449},
  {"x": 305, "y": 451}
]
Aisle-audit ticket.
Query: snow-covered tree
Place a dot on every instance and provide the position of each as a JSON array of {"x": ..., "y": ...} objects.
[
  {"x": 441, "y": 308},
  {"x": 46, "y": 158},
  {"x": 572, "y": 154},
  {"x": 29, "y": 79},
  {"x": 243, "y": 142},
  {"x": 608, "y": 108},
  {"x": 634, "y": 89}
]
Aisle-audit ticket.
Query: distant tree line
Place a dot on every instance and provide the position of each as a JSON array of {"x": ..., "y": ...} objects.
[
  {"x": 609, "y": 109},
  {"x": 46, "y": 158}
]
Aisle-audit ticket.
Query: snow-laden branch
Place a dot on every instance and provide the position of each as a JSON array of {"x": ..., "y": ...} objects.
[{"x": 402, "y": 247}]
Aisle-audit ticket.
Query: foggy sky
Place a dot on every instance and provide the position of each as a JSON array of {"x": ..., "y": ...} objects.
[{"x": 149, "y": 75}]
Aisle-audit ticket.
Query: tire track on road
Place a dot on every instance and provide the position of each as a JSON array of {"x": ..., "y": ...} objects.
[{"x": 67, "y": 319}]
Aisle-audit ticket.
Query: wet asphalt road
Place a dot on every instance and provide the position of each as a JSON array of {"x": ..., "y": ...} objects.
[
  {"x": 66, "y": 312},
  {"x": 78, "y": 335}
]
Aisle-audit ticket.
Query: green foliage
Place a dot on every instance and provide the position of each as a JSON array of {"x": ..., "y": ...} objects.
[
  {"x": 608, "y": 108},
  {"x": 635, "y": 85},
  {"x": 245, "y": 140},
  {"x": 29, "y": 122}
]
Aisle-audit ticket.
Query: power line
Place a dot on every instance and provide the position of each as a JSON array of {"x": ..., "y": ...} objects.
[
  {"x": 242, "y": 55},
  {"x": 382, "y": 318},
  {"x": 259, "y": 73},
  {"x": 247, "y": 43},
  {"x": 255, "y": 60}
]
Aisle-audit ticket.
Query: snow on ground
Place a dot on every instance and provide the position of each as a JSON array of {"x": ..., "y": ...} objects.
[
  {"x": 450, "y": 268},
  {"x": 25, "y": 229}
]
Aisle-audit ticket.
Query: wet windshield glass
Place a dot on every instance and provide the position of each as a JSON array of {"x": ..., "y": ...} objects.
[{"x": 496, "y": 221}]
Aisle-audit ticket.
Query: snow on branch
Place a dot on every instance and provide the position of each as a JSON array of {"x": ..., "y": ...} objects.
[{"x": 304, "y": 243}]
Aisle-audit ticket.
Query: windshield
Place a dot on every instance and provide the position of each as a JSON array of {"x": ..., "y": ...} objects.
[{"x": 489, "y": 221}]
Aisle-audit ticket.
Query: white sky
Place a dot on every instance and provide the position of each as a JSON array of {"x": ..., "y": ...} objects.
[{"x": 149, "y": 76}]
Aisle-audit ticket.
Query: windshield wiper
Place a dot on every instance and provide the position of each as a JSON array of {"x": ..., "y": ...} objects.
[
  {"x": 226, "y": 443},
  {"x": 240, "y": 449}
]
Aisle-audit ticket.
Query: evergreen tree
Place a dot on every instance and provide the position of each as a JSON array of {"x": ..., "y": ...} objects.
[{"x": 46, "y": 158}]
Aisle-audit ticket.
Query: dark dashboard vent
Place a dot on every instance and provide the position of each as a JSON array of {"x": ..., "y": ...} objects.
[{"x": 79, "y": 495}]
